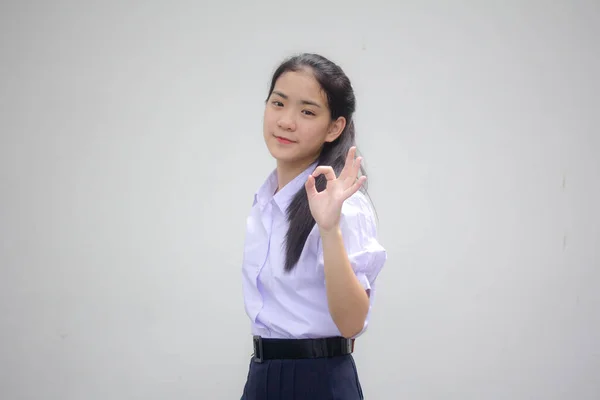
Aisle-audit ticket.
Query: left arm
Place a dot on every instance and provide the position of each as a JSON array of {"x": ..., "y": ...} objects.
[{"x": 348, "y": 301}]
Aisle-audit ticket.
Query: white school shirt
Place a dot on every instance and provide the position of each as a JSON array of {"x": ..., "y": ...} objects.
[{"x": 294, "y": 305}]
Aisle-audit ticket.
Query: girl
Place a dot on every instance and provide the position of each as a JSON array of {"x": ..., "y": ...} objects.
[{"x": 311, "y": 255}]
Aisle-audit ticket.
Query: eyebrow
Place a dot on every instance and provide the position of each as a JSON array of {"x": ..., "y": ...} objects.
[{"x": 307, "y": 102}]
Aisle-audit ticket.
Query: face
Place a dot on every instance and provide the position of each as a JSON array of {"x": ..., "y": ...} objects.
[{"x": 297, "y": 119}]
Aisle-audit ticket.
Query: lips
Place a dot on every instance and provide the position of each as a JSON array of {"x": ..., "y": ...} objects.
[{"x": 284, "y": 140}]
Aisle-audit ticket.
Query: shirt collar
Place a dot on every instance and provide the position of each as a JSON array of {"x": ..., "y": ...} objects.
[
  {"x": 264, "y": 194},
  {"x": 283, "y": 197}
]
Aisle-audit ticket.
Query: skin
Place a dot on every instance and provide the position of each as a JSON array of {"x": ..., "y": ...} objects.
[{"x": 297, "y": 110}]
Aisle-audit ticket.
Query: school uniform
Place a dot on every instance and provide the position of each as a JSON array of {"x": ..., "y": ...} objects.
[{"x": 298, "y": 350}]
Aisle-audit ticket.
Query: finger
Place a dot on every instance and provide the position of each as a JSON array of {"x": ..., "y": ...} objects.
[
  {"x": 354, "y": 188},
  {"x": 352, "y": 174},
  {"x": 311, "y": 188},
  {"x": 349, "y": 163},
  {"x": 356, "y": 167},
  {"x": 351, "y": 155},
  {"x": 325, "y": 170}
]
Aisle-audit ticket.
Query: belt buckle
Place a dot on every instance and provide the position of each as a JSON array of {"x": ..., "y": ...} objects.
[
  {"x": 258, "y": 349},
  {"x": 350, "y": 346}
]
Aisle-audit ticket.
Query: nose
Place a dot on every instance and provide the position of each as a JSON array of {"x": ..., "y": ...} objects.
[{"x": 287, "y": 123}]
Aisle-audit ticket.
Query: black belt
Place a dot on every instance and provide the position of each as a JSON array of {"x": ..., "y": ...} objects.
[{"x": 271, "y": 349}]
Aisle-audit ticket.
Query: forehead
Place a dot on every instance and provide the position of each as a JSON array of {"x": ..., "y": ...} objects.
[{"x": 301, "y": 85}]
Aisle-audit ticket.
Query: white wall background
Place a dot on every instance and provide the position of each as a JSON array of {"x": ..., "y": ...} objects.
[{"x": 130, "y": 148}]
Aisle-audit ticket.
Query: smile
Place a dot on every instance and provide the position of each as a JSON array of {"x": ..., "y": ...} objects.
[{"x": 283, "y": 140}]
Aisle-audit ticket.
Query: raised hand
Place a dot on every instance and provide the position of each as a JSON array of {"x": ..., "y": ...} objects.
[{"x": 326, "y": 206}]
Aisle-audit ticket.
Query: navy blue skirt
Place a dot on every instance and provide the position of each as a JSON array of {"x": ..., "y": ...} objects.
[{"x": 333, "y": 378}]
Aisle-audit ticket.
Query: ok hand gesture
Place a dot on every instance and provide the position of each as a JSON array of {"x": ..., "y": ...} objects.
[{"x": 326, "y": 206}]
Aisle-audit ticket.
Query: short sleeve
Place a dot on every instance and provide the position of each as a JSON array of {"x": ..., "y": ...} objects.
[{"x": 359, "y": 231}]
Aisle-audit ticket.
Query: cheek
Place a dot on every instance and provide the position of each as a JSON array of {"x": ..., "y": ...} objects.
[
  {"x": 315, "y": 132},
  {"x": 269, "y": 119}
]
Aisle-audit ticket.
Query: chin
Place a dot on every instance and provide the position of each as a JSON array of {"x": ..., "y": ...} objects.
[
  {"x": 282, "y": 155},
  {"x": 279, "y": 152}
]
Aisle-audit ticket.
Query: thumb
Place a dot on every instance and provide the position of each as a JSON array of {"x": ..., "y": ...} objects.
[{"x": 311, "y": 189}]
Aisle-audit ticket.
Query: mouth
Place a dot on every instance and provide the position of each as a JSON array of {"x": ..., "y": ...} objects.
[{"x": 283, "y": 140}]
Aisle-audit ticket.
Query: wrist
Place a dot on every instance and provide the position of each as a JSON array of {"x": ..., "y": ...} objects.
[{"x": 330, "y": 231}]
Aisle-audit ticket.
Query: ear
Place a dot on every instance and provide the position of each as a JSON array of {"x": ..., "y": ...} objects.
[{"x": 335, "y": 129}]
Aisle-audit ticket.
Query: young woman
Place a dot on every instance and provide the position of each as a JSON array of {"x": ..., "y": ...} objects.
[{"x": 311, "y": 255}]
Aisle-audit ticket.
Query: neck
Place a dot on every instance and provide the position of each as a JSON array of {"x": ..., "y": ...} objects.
[{"x": 286, "y": 172}]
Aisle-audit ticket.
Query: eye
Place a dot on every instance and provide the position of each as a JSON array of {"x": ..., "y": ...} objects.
[
  {"x": 308, "y": 112},
  {"x": 277, "y": 103}
]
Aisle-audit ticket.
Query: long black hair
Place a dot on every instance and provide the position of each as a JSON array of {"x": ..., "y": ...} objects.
[{"x": 342, "y": 103}]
